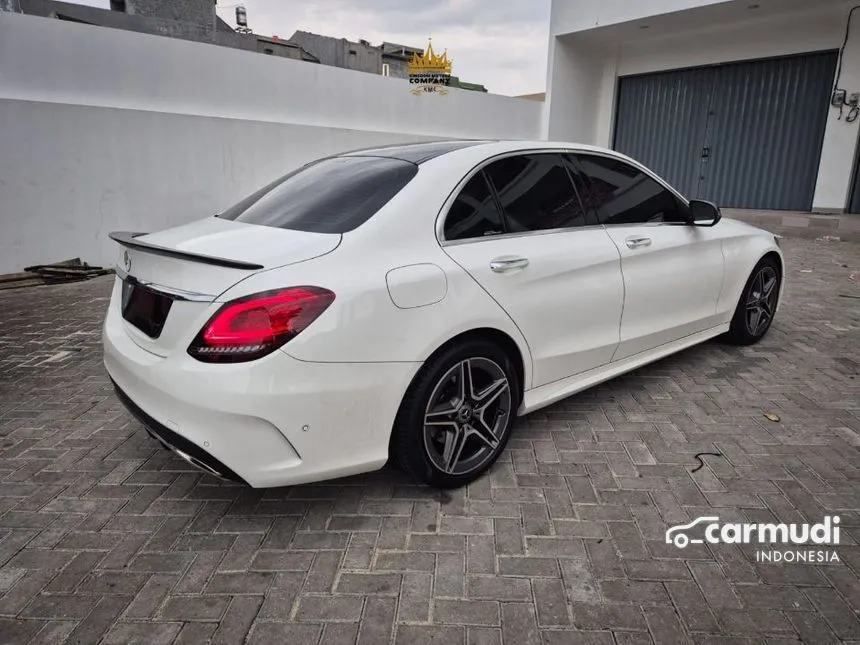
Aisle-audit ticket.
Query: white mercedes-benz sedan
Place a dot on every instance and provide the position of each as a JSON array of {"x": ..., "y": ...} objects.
[{"x": 406, "y": 303}]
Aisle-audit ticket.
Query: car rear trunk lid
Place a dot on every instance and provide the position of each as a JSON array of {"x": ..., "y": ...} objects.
[{"x": 170, "y": 279}]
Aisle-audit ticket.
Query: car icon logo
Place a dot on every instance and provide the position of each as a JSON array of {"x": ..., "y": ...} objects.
[
  {"x": 126, "y": 261},
  {"x": 676, "y": 536}
]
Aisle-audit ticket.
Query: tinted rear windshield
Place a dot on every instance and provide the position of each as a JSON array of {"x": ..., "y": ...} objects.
[{"x": 333, "y": 195}]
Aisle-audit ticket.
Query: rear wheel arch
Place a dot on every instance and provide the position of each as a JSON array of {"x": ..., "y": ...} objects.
[
  {"x": 495, "y": 336},
  {"x": 496, "y": 348}
]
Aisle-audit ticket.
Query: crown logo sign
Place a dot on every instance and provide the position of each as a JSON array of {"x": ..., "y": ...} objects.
[{"x": 430, "y": 62}]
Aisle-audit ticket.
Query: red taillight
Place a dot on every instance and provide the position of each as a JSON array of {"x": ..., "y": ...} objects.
[{"x": 253, "y": 326}]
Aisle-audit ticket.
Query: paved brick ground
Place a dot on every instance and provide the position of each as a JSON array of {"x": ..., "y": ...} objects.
[{"x": 106, "y": 538}]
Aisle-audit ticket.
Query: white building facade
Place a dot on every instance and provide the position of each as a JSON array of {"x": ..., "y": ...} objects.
[{"x": 729, "y": 100}]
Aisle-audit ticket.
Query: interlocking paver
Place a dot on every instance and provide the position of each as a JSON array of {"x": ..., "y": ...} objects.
[{"x": 106, "y": 538}]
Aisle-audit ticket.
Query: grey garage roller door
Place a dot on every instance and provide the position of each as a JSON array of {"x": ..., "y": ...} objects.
[{"x": 744, "y": 135}]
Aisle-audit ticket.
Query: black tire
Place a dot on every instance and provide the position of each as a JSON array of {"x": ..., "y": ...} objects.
[
  {"x": 760, "y": 292},
  {"x": 420, "y": 448}
]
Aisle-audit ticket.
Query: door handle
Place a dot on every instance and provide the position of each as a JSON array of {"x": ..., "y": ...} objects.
[
  {"x": 636, "y": 242},
  {"x": 500, "y": 265}
]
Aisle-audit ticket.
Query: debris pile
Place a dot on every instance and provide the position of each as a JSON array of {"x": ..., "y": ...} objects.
[{"x": 66, "y": 271}]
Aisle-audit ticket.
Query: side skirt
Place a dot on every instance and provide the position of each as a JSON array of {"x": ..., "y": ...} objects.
[{"x": 548, "y": 394}]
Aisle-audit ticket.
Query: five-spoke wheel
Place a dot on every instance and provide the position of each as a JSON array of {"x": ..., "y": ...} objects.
[
  {"x": 761, "y": 300},
  {"x": 757, "y": 306},
  {"x": 457, "y": 415},
  {"x": 465, "y": 415}
]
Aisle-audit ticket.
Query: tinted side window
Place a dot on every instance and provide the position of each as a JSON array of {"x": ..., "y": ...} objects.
[
  {"x": 622, "y": 194},
  {"x": 474, "y": 212},
  {"x": 536, "y": 193},
  {"x": 334, "y": 195},
  {"x": 582, "y": 188}
]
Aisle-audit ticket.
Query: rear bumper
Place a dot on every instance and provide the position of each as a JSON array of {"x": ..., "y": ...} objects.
[
  {"x": 176, "y": 443},
  {"x": 276, "y": 421}
]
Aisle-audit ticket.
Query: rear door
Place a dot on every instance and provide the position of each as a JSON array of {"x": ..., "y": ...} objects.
[
  {"x": 518, "y": 228},
  {"x": 673, "y": 272}
]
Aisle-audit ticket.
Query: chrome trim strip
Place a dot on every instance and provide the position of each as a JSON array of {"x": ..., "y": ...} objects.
[
  {"x": 170, "y": 292},
  {"x": 178, "y": 294},
  {"x": 646, "y": 224},
  {"x": 506, "y": 236}
]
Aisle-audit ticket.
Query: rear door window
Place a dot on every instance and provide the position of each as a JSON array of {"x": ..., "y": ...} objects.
[
  {"x": 536, "y": 193},
  {"x": 333, "y": 195},
  {"x": 474, "y": 213}
]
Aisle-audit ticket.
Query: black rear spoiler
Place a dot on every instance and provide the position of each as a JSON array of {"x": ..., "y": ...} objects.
[{"x": 130, "y": 240}]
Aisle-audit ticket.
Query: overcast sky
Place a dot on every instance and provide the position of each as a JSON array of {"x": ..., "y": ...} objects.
[{"x": 500, "y": 43}]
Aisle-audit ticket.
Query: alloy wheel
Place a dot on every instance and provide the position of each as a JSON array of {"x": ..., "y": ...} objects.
[
  {"x": 466, "y": 416},
  {"x": 761, "y": 300}
]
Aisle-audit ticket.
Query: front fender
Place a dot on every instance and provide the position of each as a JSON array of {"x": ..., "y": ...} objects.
[{"x": 743, "y": 248}]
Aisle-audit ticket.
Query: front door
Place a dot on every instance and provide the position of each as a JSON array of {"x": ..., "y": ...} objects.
[
  {"x": 519, "y": 229},
  {"x": 673, "y": 272}
]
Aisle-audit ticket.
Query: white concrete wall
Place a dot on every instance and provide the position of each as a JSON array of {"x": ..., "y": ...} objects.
[
  {"x": 573, "y": 93},
  {"x": 105, "y": 130},
  {"x": 841, "y": 141},
  {"x": 687, "y": 40},
  {"x": 570, "y": 16},
  {"x": 573, "y": 16}
]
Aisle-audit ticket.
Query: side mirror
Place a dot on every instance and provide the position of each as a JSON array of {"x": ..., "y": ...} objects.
[{"x": 704, "y": 213}]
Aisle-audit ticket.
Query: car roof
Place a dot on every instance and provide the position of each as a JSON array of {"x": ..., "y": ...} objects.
[
  {"x": 422, "y": 152},
  {"x": 416, "y": 153},
  {"x": 513, "y": 145}
]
